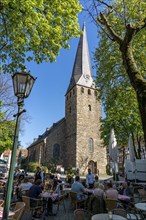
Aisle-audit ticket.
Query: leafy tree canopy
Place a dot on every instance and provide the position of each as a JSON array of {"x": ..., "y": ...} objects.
[
  {"x": 40, "y": 27},
  {"x": 118, "y": 97},
  {"x": 6, "y": 132},
  {"x": 121, "y": 59}
]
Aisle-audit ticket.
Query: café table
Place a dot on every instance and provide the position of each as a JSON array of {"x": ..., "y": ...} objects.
[
  {"x": 66, "y": 189},
  {"x": 104, "y": 216},
  {"x": 123, "y": 197},
  {"x": 47, "y": 195},
  {"x": 141, "y": 206}
]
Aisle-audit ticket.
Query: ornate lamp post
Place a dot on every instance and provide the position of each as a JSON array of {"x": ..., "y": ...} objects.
[{"x": 22, "y": 83}]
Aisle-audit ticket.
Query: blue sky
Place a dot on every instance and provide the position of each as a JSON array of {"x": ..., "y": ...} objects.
[{"x": 46, "y": 103}]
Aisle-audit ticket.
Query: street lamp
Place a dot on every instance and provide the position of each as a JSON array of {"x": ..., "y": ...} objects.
[{"x": 22, "y": 83}]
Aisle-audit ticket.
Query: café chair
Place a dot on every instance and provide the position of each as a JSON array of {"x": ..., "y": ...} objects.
[
  {"x": 60, "y": 201},
  {"x": 1, "y": 202},
  {"x": 82, "y": 214},
  {"x": 74, "y": 201},
  {"x": 96, "y": 204},
  {"x": 111, "y": 204},
  {"x": 18, "y": 210},
  {"x": 142, "y": 194},
  {"x": 121, "y": 212},
  {"x": 133, "y": 213},
  {"x": 31, "y": 209}
]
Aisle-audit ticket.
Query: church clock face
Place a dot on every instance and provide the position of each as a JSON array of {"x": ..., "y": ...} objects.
[{"x": 86, "y": 76}]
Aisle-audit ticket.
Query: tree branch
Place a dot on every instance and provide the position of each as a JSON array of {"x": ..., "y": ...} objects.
[{"x": 114, "y": 35}]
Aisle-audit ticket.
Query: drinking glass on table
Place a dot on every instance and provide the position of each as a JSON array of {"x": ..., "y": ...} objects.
[{"x": 110, "y": 215}]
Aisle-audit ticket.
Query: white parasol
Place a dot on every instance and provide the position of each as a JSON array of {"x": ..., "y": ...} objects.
[
  {"x": 113, "y": 151},
  {"x": 132, "y": 154}
]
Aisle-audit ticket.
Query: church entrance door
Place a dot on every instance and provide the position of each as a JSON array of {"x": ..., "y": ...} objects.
[{"x": 93, "y": 166}]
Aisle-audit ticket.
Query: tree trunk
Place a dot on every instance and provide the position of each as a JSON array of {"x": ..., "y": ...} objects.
[
  {"x": 141, "y": 98},
  {"x": 137, "y": 81}
]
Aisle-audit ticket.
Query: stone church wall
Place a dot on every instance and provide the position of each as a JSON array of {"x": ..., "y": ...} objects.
[
  {"x": 88, "y": 128},
  {"x": 56, "y": 136}
]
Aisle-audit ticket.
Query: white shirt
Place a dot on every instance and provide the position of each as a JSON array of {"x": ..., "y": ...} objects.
[
  {"x": 90, "y": 178},
  {"x": 25, "y": 186}
]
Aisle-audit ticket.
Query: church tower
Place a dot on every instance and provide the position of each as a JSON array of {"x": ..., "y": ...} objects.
[{"x": 84, "y": 147}]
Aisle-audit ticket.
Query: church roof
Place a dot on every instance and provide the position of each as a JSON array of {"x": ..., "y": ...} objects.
[
  {"x": 81, "y": 74},
  {"x": 46, "y": 133}
]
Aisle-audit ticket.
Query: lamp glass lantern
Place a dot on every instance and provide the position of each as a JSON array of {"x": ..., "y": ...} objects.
[{"x": 22, "y": 83}]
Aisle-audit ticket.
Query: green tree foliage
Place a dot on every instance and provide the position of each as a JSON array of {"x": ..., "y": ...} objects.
[
  {"x": 117, "y": 95},
  {"x": 121, "y": 60},
  {"x": 33, "y": 165},
  {"x": 39, "y": 27},
  {"x": 6, "y": 132}
]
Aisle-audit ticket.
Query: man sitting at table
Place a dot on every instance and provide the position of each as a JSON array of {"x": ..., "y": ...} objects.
[
  {"x": 111, "y": 193},
  {"x": 34, "y": 193},
  {"x": 125, "y": 189},
  {"x": 78, "y": 188}
]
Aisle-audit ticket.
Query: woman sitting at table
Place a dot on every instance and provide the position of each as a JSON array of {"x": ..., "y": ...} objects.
[
  {"x": 99, "y": 191},
  {"x": 96, "y": 203}
]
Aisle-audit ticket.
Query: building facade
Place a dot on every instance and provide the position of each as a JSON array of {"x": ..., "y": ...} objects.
[{"x": 75, "y": 139}]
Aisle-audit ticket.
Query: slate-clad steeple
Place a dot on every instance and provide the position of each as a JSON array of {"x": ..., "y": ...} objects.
[{"x": 81, "y": 73}]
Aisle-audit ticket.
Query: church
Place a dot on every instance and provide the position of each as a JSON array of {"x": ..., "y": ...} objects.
[{"x": 74, "y": 141}]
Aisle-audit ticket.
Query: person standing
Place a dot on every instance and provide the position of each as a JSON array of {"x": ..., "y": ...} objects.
[
  {"x": 39, "y": 175},
  {"x": 90, "y": 179}
]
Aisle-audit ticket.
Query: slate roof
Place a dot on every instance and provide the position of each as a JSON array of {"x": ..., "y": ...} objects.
[
  {"x": 46, "y": 133},
  {"x": 81, "y": 73}
]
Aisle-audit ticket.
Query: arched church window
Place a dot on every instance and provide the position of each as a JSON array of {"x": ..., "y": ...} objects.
[
  {"x": 91, "y": 145},
  {"x": 73, "y": 91},
  {"x": 89, "y": 106},
  {"x": 89, "y": 92},
  {"x": 56, "y": 151},
  {"x": 82, "y": 90}
]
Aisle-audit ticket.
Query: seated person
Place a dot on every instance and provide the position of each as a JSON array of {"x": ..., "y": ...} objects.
[
  {"x": 96, "y": 183},
  {"x": 69, "y": 180},
  {"x": 99, "y": 191},
  {"x": 96, "y": 202},
  {"x": 125, "y": 189},
  {"x": 78, "y": 188},
  {"x": 54, "y": 189},
  {"x": 35, "y": 191},
  {"x": 25, "y": 185},
  {"x": 111, "y": 193}
]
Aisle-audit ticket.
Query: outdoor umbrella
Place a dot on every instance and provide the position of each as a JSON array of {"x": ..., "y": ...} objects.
[
  {"x": 132, "y": 154},
  {"x": 113, "y": 151}
]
